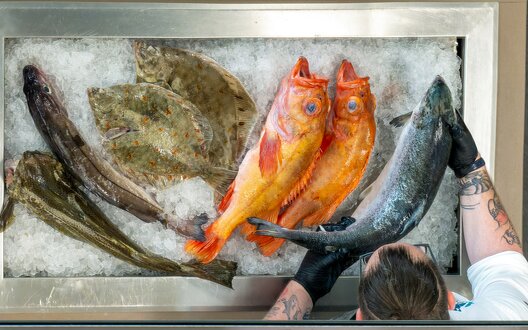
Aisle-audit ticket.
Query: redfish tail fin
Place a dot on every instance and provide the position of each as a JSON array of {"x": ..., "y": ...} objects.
[
  {"x": 268, "y": 245},
  {"x": 205, "y": 251}
]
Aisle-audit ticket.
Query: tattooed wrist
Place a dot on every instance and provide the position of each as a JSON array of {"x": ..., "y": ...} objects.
[{"x": 475, "y": 183}]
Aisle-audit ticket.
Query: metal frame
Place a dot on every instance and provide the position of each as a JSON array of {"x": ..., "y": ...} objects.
[{"x": 191, "y": 298}]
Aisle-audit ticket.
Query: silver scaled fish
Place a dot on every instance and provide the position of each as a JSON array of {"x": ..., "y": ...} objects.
[
  {"x": 43, "y": 186},
  {"x": 407, "y": 186}
]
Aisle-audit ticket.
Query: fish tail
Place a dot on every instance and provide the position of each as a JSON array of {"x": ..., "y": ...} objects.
[
  {"x": 206, "y": 251},
  {"x": 266, "y": 228},
  {"x": 248, "y": 230},
  {"x": 268, "y": 245},
  {"x": 192, "y": 229}
]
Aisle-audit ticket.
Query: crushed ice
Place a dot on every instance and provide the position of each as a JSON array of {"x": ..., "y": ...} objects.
[{"x": 400, "y": 72}]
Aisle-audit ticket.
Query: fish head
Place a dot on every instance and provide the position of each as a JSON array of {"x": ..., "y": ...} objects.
[
  {"x": 302, "y": 103},
  {"x": 353, "y": 99},
  {"x": 436, "y": 103},
  {"x": 40, "y": 91}
]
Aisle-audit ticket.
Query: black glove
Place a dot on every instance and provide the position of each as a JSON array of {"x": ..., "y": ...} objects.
[
  {"x": 319, "y": 272},
  {"x": 463, "y": 157}
]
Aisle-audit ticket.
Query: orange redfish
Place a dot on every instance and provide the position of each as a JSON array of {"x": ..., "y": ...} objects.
[
  {"x": 348, "y": 141},
  {"x": 275, "y": 170}
]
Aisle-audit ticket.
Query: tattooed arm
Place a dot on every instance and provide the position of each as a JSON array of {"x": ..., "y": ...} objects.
[
  {"x": 487, "y": 228},
  {"x": 294, "y": 303}
]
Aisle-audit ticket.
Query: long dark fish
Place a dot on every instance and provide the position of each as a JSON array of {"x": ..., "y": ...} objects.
[
  {"x": 44, "y": 187},
  {"x": 412, "y": 180},
  {"x": 89, "y": 169}
]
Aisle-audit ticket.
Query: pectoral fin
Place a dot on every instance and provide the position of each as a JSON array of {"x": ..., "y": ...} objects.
[{"x": 270, "y": 153}]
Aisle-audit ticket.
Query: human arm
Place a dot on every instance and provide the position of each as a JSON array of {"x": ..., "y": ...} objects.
[
  {"x": 487, "y": 227},
  {"x": 294, "y": 303},
  {"x": 315, "y": 278}
]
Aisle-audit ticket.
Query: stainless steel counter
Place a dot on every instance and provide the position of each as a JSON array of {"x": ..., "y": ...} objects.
[{"x": 192, "y": 299}]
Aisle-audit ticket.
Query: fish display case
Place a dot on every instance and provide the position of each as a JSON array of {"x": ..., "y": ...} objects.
[{"x": 400, "y": 46}]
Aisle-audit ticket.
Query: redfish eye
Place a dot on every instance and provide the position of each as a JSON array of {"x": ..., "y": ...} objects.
[
  {"x": 312, "y": 106},
  {"x": 354, "y": 104}
]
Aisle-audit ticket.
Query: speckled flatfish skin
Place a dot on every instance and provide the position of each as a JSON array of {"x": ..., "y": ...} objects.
[
  {"x": 153, "y": 134},
  {"x": 218, "y": 94}
]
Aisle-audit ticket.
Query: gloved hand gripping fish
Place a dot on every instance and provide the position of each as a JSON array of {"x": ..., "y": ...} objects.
[{"x": 410, "y": 183}]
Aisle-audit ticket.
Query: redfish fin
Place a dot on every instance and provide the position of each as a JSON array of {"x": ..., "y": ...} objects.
[
  {"x": 206, "y": 251},
  {"x": 224, "y": 204},
  {"x": 269, "y": 245},
  {"x": 270, "y": 153},
  {"x": 303, "y": 181}
]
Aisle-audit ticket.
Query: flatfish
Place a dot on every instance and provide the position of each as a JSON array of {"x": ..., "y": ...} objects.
[
  {"x": 155, "y": 135},
  {"x": 217, "y": 93}
]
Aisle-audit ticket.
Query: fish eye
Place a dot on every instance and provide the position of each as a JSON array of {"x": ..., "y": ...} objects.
[
  {"x": 312, "y": 106},
  {"x": 354, "y": 104},
  {"x": 46, "y": 89}
]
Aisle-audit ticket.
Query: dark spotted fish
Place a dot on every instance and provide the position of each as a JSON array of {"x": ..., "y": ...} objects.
[
  {"x": 218, "y": 95},
  {"x": 156, "y": 136},
  {"x": 410, "y": 183},
  {"x": 43, "y": 186},
  {"x": 88, "y": 168}
]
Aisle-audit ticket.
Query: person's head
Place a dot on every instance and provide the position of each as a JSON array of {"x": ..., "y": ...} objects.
[{"x": 400, "y": 282}]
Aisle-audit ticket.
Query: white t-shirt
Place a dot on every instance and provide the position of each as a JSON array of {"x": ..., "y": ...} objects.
[{"x": 500, "y": 289}]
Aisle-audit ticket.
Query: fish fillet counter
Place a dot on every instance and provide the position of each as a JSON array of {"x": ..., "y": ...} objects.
[{"x": 400, "y": 72}]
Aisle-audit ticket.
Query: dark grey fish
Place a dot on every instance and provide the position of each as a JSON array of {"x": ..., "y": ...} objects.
[
  {"x": 43, "y": 186},
  {"x": 88, "y": 168},
  {"x": 412, "y": 179}
]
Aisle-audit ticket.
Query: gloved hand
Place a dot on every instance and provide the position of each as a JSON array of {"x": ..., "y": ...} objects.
[
  {"x": 463, "y": 157},
  {"x": 319, "y": 272}
]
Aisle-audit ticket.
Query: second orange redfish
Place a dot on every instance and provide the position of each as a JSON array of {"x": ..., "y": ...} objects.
[{"x": 346, "y": 148}]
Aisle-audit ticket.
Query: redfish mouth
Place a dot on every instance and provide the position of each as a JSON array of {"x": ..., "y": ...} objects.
[
  {"x": 302, "y": 75},
  {"x": 348, "y": 76}
]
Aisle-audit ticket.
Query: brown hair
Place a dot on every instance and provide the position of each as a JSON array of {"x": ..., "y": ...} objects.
[{"x": 401, "y": 287}]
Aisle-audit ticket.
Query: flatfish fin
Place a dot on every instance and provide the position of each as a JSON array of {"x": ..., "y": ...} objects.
[
  {"x": 156, "y": 136},
  {"x": 216, "y": 92}
]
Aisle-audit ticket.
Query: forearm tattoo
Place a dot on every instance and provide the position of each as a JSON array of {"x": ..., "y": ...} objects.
[
  {"x": 498, "y": 214},
  {"x": 475, "y": 183},
  {"x": 289, "y": 307}
]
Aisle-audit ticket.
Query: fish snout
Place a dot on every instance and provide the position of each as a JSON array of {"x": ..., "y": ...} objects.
[{"x": 438, "y": 97}]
